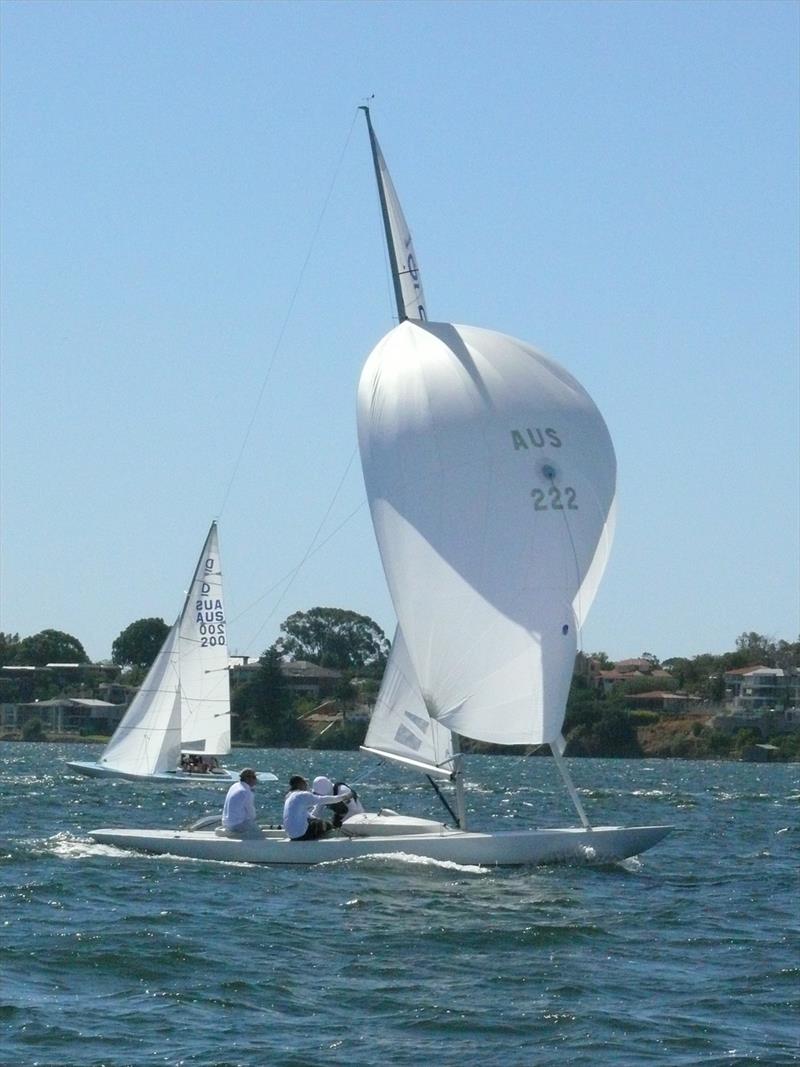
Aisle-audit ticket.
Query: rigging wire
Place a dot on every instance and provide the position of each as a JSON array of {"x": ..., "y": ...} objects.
[
  {"x": 311, "y": 549},
  {"x": 284, "y": 325},
  {"x": 290, "y": 573}
]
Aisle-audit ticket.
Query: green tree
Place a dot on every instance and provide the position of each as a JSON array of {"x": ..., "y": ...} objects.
[
  {"x": 757, "y": 649},
  {"x": 9, "y": 643},
  {"x": 33, "y": 731},
  {"x": 334, "y": 638},
  {"x": 343, "y": 736},
  {"x": 263, "y": 708},
  {"x": 138, "y": 644},
  {"x": 611, "y": 734},
  {"x": 50, "y": 646}
]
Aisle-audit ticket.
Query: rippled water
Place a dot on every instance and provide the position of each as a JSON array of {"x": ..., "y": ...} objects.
[{"x": 686, "y": 956}]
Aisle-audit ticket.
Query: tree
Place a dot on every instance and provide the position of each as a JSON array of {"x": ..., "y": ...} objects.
[
  {"x": 50, "y": 646},
  {"x": 613, "y": 734},
  {"x": 263, "y": 708},
  {"x": 33, "y": 731},
  {"x": 138, "y": 644},
  {"x": 334, "y": 638},
  {"x": 9, "y": 643},
  {"x": 757, "y": 649}
]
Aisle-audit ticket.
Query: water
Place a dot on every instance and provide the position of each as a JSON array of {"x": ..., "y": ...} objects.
[{"x": 686, "y": 956}]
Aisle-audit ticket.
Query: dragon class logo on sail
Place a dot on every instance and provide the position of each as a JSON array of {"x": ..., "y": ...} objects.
[{"x": 209, "y": 612}]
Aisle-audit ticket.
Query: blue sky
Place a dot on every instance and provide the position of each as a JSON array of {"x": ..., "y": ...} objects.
[{"x": 193, "y": 274}]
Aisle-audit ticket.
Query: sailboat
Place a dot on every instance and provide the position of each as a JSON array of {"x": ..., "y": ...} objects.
[
  {"x": 491, "y": 479},
  {"x": 179, "y": 723}
]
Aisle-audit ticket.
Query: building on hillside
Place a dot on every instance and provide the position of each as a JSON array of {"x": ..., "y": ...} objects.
[
  {"x": 751, "y": 689},
  {"x": 62, "y": 715},
  {"x": 305, "y": 679},
  {"x": 662, "y": 700},
  {"x": 608, "y": 681},
  {"x": 22, "y": 683}
]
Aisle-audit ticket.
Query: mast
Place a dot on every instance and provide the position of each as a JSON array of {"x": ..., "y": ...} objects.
[{"x": 387, "y": 229}]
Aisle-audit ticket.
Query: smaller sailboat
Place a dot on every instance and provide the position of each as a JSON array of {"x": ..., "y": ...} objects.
[{"x": 178, "y": 725}]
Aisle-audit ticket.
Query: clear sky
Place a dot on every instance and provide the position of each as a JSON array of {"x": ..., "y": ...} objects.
[{"x": 193, "y": 274}]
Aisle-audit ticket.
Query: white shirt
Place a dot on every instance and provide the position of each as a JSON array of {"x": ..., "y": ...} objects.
[
  {"x": 240, "y": 806},
  {"x": 297, "y": 808}
]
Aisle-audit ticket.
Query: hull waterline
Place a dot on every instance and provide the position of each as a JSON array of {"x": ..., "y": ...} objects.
[{"x": 603, "y": 844}]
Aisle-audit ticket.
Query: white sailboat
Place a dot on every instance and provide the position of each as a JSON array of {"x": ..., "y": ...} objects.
[
  {"x": 491, "y": 480},
  {"x": 180, "y": 717}
]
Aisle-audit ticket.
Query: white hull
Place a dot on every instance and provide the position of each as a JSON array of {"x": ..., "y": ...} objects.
[
  {"x": 602, "y": 844},
  {"x": 220, "y": 777}
]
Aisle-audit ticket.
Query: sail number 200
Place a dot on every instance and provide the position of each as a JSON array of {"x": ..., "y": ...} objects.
[{"x": 554, "y": 499}]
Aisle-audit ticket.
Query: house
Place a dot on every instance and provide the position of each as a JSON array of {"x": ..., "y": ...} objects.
[
  {"x": 661, "y": 700},
  {"x": 62, "y": 715},
  {"x": 631, "y": 671},
  {"x": 752, "y": 689},
  {"x": 309, "y": 679},
  {"x": 305, "y": 679}
]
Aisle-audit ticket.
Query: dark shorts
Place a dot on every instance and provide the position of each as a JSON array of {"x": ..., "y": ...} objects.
[{"x": 316, "y": 828}]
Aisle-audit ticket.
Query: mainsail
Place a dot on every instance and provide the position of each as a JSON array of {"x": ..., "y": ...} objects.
[
  {"x": 405, "y": 272},
  {"x": 203, "y": 658},
  {"x": 184, "y": 701},
  {"x": 491, "y": 480}
]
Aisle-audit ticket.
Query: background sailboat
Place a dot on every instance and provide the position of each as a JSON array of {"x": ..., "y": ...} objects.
[{"x": 182, "y": 709}]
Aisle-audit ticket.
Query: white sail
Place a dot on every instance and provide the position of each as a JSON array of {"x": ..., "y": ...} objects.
[
  {"x": 203, "y": 658},
  {"x": 401, "y": 728},
  {"x": 491, "y": 480},
  {"x": 148, "y": 739},
  {"x": 184, "y": 701},
  {"x": 405, "y": 269}
]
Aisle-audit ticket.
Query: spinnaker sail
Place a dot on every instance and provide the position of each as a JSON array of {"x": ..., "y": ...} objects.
[{"x": 491, "y": 479}]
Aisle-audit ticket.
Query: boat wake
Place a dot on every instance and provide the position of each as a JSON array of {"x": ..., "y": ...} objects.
[
  {"x": 406, "y": 859},
  {"x": 69, "y": 846}
]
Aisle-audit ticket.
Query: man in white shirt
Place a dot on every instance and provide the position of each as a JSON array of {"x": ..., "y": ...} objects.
[
  {"x": 297, "y": 808},
  {"x": 239, "y": 810}
]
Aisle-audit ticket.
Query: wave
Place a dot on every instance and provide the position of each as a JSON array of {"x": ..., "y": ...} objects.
[{"x": 406, "y": 859}]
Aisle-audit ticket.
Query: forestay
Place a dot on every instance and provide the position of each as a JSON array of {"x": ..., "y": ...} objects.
[{"x": 491, "y": 480}]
